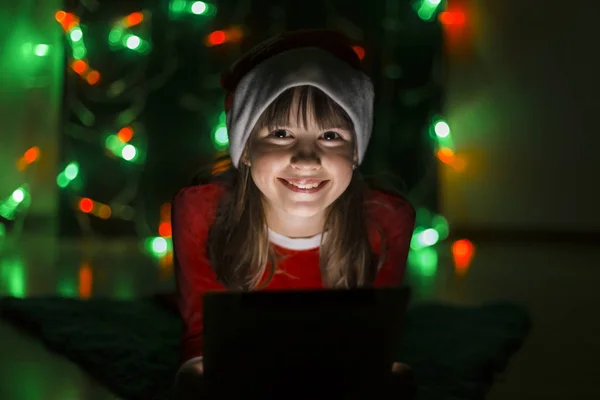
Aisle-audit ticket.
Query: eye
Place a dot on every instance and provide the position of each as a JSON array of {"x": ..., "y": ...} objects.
[
  {"x": 279, "y": 134},
  {"x": 331, "y": 135}
]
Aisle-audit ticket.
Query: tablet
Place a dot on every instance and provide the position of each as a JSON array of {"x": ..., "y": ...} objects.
[{"x": 267, "y": 343}]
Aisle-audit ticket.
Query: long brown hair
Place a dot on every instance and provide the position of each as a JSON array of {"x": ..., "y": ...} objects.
[{"x": 238, "y": 243}]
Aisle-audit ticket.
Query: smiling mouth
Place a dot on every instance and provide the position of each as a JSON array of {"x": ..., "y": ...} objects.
[{"x": 309, "y": 187}]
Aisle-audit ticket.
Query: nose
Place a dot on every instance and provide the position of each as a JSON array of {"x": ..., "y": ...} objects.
[{"x": 306, "y": 157}]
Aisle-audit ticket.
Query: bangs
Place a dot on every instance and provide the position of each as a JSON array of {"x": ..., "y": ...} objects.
[{"x": 311, "y": 102}]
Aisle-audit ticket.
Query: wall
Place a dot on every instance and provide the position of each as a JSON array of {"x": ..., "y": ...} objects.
[
  {"x": 522, "y": 105},
  {"x": 30, "y": 98}
]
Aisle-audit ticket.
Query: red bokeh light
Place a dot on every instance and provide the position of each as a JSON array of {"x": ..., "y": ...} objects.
[
  {"x": 85, "y": 281},
  {"x": 93, "y": 77},
  {"x": 462, "y": 247},
  {"x": 217, "y": 37},
  {"x": 60, "y": 16},
  {"x": 134, "y": 19},
  {"x": 79, "y": 66},
  {"x": 452, "y": 18},
  {"x": 165, "y": 230},
  {"x": 445, "y": 155},
  {"x": 67, "y": 20},
  {"x": 360, "y": 51},
  {"x": 125, "y": 134},
  {"x": 86, "y": 205},
  {"x": 32, "y": 154},
  {"x": 463, "y": 251}
]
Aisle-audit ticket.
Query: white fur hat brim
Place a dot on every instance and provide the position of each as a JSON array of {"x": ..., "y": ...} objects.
[{"x": 347, "y": 86}]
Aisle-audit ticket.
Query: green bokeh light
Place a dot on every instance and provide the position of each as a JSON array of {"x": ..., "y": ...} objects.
[
  {"x": 13, "y": 277},
  {"x": 133, "y": 42},
  {"x": 220, "y": 138},
  {"x": 76, "y": 34},
  {"x": 199, "y": 7},
  {"x": 423, "y": 262},
  {"x": 71, "y": 171},
  {"x": 41, "y": 50},
  {"x": 18, "y": 195},
  {"x": 129, "y": 152}
]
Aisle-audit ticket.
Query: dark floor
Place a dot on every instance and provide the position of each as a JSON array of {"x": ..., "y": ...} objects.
[{"x": 559, "y": 283}]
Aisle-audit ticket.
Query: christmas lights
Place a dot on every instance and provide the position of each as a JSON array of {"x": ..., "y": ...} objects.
[{"x": 125, "y": 141}]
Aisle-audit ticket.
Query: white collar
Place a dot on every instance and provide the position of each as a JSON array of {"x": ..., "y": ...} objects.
[{"x": 295, "y": 243}]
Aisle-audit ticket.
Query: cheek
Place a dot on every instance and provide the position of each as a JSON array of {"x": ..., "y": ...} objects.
[
  {"x": 341, "y": 166},
  {"x": 267, "y": 161},
  {"x": 342, "y": 172},
  {"x": 264, "y": 170},
  {"x": 262, "y": 154},
  {"x": 343, "y": 179}
]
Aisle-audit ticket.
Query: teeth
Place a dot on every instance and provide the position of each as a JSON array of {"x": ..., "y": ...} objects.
[{"x": 314, "y": 185}]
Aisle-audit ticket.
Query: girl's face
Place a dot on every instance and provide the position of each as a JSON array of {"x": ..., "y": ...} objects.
[{"x": 287, "y": 162}]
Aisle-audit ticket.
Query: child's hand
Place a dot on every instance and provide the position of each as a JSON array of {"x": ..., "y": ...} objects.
[
  {"x": 198, "y": 367},
  {"x": 189, "y": 381},
  {"x": 194, "y": 369},
  {"x": 403, "y": 381},
  {"x": 400, "y": 368}
]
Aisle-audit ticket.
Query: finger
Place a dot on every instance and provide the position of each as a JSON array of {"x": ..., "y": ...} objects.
[
  {"x": 199, "y": 367},
  {"x": 399, "y": 368}
]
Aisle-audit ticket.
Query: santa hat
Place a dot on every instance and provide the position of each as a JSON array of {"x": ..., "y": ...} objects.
[{"x": 324, "y": 59}]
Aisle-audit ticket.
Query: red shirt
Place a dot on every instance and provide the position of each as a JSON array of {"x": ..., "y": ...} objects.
[{"x": 194, "y": 210}]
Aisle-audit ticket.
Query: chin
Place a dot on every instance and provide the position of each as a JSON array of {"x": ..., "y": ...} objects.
[{"x": 304, "y": 211}]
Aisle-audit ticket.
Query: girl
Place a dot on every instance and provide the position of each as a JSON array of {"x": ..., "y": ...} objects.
[{"x": 295, "y": 213}]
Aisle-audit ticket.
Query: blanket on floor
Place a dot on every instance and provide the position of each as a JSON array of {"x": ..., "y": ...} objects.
[{"x": 132, "y": 347}]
